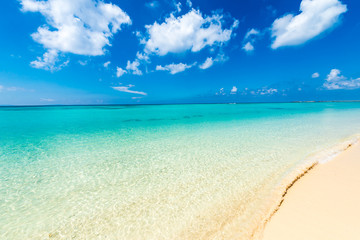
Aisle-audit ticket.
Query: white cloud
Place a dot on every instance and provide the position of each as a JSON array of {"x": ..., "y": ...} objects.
[
  {"x": 82, "y": 27},
  {"x": 83, "y": 63},
  {"x": 13, "y": 89},
  {"x": 261, "y": 91},
  {"x": 220, "y": 92},
  {"x": 178, "y": 6},
  {"x": 136, "y": 98},
  {"x": 153, "y": 4},
  {"x": 190, "y": 31},
  {"x": 234, "y": 90},
  {"x": 189, "y": 3},
  {"x": 133, "y": 67},
  {"x": 49, "y": 61},
  {"x": 249, "y": 40},
  {"x": 315, "y": 75},
  {"x": 267, "y": 91},
  {"x": 107, "y": 64},
  {"x": 251, "y": 32},
  {"x": 174, "y": 68},
  {"x": 127, "y": 90},
  {"x": 208, "y": 63},
  {"x": 248, "y": 47},
  {"x": 335, "y": 81},
  {"x": 47, "y": 100},
  {"x": 316, "y": 17},
  {"x": 120, "y": 71},
  {"x": 143, "y": 56}
]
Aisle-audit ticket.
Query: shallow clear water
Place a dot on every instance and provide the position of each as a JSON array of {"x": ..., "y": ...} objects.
[{"x": 155, "y": 172}]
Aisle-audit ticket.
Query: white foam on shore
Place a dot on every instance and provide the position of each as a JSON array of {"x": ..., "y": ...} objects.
[{"x": 330, "y": 154}]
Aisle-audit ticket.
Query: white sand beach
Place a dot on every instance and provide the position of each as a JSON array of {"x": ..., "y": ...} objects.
[{"x": 323, "y": 205}]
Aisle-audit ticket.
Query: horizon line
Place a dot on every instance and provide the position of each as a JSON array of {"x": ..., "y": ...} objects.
[{"x": 159, "y": 104}]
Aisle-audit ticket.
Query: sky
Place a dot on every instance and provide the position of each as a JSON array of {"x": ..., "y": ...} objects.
[{"x": 55, "y": 52}]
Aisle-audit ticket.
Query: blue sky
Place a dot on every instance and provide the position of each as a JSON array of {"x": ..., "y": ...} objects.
[{"x": 132, "y": 51}]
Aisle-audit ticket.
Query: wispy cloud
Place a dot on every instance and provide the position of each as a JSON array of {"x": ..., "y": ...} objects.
[
  {"x": 83, "y": 63},
  {"x": 316, "y": 17},
  {"x": 177, "y": 6},
  {"x": 127, "y": 90},
  {"x": 47, "y": 100},
  {"x": 189, "y": 3},
  {"x": 14, "y": 89},
  {"x": 251, "y": 32},
  {"x": 221, "y": 92},
  {"x": 175, "y": 68},
  {"x": 152, "y": 4}
]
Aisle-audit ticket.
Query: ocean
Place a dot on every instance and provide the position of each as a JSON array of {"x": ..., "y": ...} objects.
[{"x": 210, "y": 171}]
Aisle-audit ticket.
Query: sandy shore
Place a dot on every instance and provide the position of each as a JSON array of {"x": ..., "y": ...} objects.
[{"x": 323, "y": 205}]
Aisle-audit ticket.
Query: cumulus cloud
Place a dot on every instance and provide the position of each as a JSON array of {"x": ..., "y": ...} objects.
[
  {"x": 174, "y": 68},
  {"x": 315, "y": 17},
  {"x": 107, "y": 64},
  {"x": 133, "y": 67},
  {"x": 249, "y": 40},
  {"x": 234, "y": 90},
  {"x": 120, "y": 71},
  {"x": 261, "y": 91},
  {"x": 248, "y": 47},
  {"x": 335, "y": 81},
  {"x": 82, "y": 27},
  {"x": 210, "y": 61},
  {"x": 191, "y": 31},
  {"x": 127, "y": 90},
  {"x": 49, "y": 61},
  {"x": 315, "y": 75},
  {"x": 143, "y": 57}
]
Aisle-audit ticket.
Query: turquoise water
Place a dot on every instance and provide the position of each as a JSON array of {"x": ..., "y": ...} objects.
[{"x": 156, "y": 172}]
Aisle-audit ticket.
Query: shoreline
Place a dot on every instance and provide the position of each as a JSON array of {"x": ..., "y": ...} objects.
[{"x": 320, "y": 203}]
